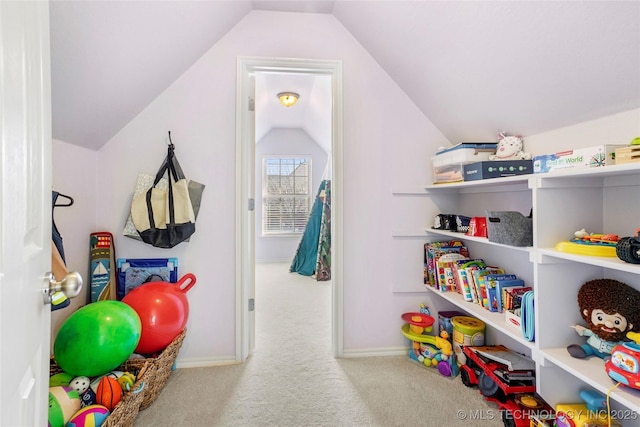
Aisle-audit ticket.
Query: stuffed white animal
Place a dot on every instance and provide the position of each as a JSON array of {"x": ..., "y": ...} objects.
[{"x": 510, "y": 148}]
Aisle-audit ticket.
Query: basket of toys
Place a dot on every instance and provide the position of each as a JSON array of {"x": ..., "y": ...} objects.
[
  {"x": 75, "y": 398},
  {"x": 160, "y": 369}
]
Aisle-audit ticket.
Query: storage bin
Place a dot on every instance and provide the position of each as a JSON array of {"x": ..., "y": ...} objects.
[
  {"x": 448, "y": 163},
  {"x": 125, "y": 412},
  {"x": 496, "y": 169},
  {"x": 509, "y": 228}
]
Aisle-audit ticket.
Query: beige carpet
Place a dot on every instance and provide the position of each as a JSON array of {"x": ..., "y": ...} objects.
[{"x": 292, "y": 380}]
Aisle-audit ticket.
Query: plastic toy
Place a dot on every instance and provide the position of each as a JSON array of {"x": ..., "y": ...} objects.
[
  {"x": 610, "y": 309},
  {"x": 97, "y": 338},
  {"x": 584, "y": 243},
  {"x": 89, "y": 416},
  {"x": 624, "y": 364},
  {"x": 510, "y": 148},
  {"x": 628, "y": 248},
  {"x": 108, "y": 393},
  {"x": 429, "y": 350},
  {"x": 507, "y": 379},
  {"x": 80, "y": 384},
  {"x": 63, "y": 403},
  {"x": 163, "y": 309},
  {"x": 591, "y": 413}
]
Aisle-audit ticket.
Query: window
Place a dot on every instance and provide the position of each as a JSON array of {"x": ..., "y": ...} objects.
[{"x": 286, "y": 194}]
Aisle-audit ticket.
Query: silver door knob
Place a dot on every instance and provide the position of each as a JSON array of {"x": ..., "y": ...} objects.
[{"x": 70, "y": 286}]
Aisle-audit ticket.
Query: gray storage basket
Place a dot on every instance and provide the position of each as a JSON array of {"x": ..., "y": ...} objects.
[{"x": 509, "y": 228}]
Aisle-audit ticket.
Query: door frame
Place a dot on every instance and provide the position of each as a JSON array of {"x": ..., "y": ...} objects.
[{"x": 245, "y": 223}]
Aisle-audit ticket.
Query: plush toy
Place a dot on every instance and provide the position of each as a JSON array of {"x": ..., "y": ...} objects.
[
  {"x": 610, "y": 309},
  {"x": 510, "y": 148}
]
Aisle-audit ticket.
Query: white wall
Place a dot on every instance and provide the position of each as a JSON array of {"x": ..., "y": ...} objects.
[
  {"x": 75, "y": 174},
  {"x": 380, "y": 124},
  {"x": 388, "y": 144},
  {"x": 284, "y": 142}
]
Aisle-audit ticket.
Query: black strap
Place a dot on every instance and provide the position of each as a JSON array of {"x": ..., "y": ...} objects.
[{"x": 171, "y": 166}]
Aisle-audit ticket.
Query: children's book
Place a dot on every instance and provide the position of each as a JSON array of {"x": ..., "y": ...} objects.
[
  {"x": 504, "y": 284},
  {"x": 478, "y": 277},
  {"x": 512, "y": 297},
  {"x": 447, "y": 271},
  {"x": 435, "y": 250},
  {"x": 463, "y": 285},
  {"x": 491, "y": 283}
]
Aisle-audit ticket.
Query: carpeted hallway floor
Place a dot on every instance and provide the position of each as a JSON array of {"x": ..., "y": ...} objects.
[{"x": 292, "y": 379}]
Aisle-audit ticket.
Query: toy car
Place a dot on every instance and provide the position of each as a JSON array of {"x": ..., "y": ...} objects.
[
  {"x": 507, "y": 379},
  {"x": 628, "y": 248},
  {"x": 624, "y": 363}
]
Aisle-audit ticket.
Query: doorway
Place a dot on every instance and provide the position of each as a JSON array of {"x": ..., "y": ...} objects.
[{"x": 245, "y": 189}]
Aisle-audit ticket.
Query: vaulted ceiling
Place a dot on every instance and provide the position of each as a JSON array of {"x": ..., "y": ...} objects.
[{"x": 473, "y": 67}]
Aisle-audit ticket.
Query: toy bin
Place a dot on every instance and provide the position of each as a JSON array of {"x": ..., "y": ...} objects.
[
  {"x": 509, "y": 228},
  {"x": 448, "y": 163},
  {"x": 467, "y": 331}
]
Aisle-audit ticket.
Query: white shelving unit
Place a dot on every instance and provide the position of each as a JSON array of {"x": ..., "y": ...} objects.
[{"x": 601, "y": 200}]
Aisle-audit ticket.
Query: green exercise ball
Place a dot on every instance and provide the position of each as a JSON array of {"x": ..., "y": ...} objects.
[{"x": 97, "y": 338}]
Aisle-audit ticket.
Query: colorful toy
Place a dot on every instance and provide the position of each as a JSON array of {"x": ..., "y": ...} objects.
[
  {"x": 466, "y": 331},
  {"x": 510, "y": 148},
  {"x": 429, "y": 350},
  {"x": 89, "y": 416},
  {"x": 628, "y": 248},
  {"x": 63, "y": 403},
  {"x": 108, "y": 393},
  {"x": 507, "y": 379},
  {"x": 61, "y": 378},
  {"x": 590, "y": 244},
  {"x": 163, "y": 309},
  {"x": 80, "y": 384},
  {"x": 591, "y": 413},
  {"x": 97, "y": 338},
  {"x": 126, "y": 381},
  {"x": 624, "y": 364},
  {"x": 610, "y": 309}
]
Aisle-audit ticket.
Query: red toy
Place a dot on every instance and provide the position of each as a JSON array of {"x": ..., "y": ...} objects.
[
  {"x": 624, "y": 364},
  {"x": 507, "y": 379},
  {"x": 163, "y": 309}
]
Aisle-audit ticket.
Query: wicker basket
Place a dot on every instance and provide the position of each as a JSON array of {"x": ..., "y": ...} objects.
[
  {"x": 160, "y": 369},
  {"x": 126, "y": 411}
]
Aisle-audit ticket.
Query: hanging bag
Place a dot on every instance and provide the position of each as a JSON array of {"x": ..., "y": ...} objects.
[{"x": 165, "y": 218}]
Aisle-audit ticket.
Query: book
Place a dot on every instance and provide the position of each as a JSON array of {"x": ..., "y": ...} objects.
[
  {"x": 512, "y": 297},
  {"x": 447, "y": 271},
  {"x": 503, "y": 284},
  {"x": 463, "y": 285},
  {"x": 491, "y": 283},
  {"x": 434, "y": 251},
  {"x": 478, "y": 277}
]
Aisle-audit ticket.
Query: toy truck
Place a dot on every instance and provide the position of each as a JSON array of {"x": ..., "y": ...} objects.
[{"x": 507, "y": 379}]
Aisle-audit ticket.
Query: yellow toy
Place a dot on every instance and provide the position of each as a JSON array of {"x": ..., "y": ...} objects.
[{"x": 591, "y": 413}]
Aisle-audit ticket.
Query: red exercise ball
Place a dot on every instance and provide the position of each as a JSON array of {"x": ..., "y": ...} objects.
[{"x": 163, "y": 309}]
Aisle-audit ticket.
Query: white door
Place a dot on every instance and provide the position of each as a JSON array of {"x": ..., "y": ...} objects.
[{"x": 25, "y": 215}]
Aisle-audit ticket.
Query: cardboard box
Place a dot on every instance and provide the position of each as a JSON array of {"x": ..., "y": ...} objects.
[
  {"x": 496, "y": 169},
  {"x": 629, "y": 154},
  {"x": 447, "y": 164},
  {"x": 600, "y": 155}
]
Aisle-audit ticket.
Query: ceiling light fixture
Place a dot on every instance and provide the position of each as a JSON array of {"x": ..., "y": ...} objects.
[{"x": 288, "y": 99}]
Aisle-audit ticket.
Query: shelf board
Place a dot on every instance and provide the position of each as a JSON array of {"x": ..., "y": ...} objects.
[
  {"x": 603, "y": 171},
  {"x": 492, "y": 319},
  {"x": 591, "y": 371},
  {"x": 607, "y": 262},
  {"x": 452, "y": 235},
  {"x": 447, "y": 187}
]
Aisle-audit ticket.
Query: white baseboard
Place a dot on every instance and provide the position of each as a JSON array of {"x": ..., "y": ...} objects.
[
  {"x": 230, "y": 360},
  {"x": 206, "y": 362},
  {"x": 376, "y": 352}
]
